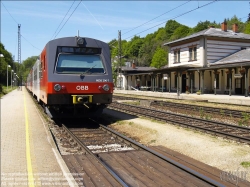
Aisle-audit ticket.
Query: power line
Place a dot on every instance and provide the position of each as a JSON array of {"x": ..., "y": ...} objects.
[
  {"x": 157, "y": 17},
  {"x": 30, "y": 43},
  {"x": 18, "y": 24},
  {"x": 63, "y": 19},
  {"x": 9, "y": 13},
  {"x": 68, "y": 18},
  {"x": 174, "y": 18},
  {"x": 169, "y": 19}
]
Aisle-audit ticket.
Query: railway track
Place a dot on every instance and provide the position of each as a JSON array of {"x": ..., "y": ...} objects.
[
  {"x": 105, "y": 157},
  {"x": 237, "y": 133},
  {"x": 187, "y": 107}
]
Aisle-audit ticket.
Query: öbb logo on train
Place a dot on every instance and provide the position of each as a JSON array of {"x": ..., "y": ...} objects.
[{"x": 82, "y": 87}]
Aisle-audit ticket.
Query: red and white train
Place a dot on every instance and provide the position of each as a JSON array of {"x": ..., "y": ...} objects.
[{"x": 73, "y": 77}]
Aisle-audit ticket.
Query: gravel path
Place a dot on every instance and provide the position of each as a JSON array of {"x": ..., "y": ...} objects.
[{"x": 225, "y": 155}]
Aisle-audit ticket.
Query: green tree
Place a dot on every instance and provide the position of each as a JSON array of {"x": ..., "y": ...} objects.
[
  {"x": 134, "y": 46},
  {"x": 180, "y": 32},
  {"x": 233, "y": 20},
  {"x": 201, "y": 26},
  {"x": 159, "y": 58},
  {"x": 27, "y": 65},
  {"x": 170, "y": 27},
  {"x": 161, "y": 35},
  {"x": 247, "y": 28},
  {"x": 4, "y": 62}
]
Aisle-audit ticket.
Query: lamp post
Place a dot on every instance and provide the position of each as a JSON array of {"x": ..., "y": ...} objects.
[
  {"x": 17, "y": 81},
  {"x": 11, "y": 77},
  {"x": 14, "y": 79},
  {"x": 8, "y": 66}
]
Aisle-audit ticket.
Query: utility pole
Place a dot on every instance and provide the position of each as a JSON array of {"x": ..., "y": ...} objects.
[
  {"x": 19, "y": 43},
  {"x": 19, "y": 47},
  {"x": 119, "y": 56}
]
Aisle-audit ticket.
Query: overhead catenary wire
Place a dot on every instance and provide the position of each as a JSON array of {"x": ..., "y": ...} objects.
[
  {"x": 30, "y": 43},
  {"x": 154, "y": 19},
  {"x": 68, "y": 18},
  {"x": 167, "y": 20},
  {"x": 63, "y": 19},
  {"x": 157, "y": 17},
  {"x": 9, "y": 13},
  {"x": 17, "y": 24},
  {"x": 174, "y": 18}
]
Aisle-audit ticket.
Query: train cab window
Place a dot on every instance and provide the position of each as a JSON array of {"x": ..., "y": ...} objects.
[{"x": 72, "y": 63}]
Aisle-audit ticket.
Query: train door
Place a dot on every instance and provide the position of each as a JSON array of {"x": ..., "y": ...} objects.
[{"x": 184, "y": 83}]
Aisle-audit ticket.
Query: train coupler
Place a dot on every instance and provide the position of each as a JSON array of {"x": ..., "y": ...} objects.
[{"x": 81, "y": 99}]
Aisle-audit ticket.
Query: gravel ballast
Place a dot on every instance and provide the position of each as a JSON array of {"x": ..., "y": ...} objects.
[{"x": 223, "y": 154}]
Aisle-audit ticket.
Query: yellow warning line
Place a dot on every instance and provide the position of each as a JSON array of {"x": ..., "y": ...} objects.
[{"x": 28, "y": 157}]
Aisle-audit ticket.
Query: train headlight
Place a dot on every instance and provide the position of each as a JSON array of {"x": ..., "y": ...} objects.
[
  {"x": 57, "y": 87},
  {"x": 105, "y": 87}
]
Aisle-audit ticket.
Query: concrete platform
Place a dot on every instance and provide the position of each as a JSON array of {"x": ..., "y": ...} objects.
[
  {"x": 29, "y": 156},
  {"x": 233, "y": 99}
]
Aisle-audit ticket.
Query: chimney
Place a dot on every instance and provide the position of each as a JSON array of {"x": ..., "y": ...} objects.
[
  {"x": 224, "y": 26},
  {"x": 235, "y": 27},
  {"x": 133, "y": 65}
]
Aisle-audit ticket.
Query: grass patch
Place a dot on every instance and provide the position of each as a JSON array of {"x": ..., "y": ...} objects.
[
  {"x": 131, "y": 123},
  {"x": 4, "y": 91},
  {"x": 245, "y": 164},
  {"x": 152, "y": 141},
  {"x": 120, "y": 122}
]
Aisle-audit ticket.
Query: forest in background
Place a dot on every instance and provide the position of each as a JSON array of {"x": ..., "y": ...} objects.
[{"x": 144, "y": 51}]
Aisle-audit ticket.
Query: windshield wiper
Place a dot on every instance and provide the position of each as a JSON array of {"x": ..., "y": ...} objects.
[{"x": 88, "y": 70}]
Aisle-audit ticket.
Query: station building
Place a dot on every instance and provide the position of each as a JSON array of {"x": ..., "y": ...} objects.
[{"x": 215, "y": 61}]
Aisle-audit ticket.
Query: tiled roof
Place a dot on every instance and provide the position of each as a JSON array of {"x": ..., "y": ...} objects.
[
  {"x": 238, "y": 57},
  {"x": 214, "y": 32}
]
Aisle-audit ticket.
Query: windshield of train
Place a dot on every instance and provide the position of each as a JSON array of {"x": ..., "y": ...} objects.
[{"x": 72, "y": 63}]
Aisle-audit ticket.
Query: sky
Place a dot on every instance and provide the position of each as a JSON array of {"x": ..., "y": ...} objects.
[{"x": 40, "y": 20}]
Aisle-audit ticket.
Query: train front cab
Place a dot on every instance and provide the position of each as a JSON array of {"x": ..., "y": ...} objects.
[{"x": 77, "y": 81}]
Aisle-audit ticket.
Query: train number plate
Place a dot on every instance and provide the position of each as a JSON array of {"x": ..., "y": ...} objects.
[{"x": 102, "y": 80}]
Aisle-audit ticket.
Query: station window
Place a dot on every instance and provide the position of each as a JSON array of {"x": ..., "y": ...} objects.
[
  {"x": 192, "y": 53},
  {"x": 177, "y": 56}
]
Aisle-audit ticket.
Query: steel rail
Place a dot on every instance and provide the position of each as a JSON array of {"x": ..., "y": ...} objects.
[
  {"x": 116, "y": 177},
  {"x": 224, "y": 125},
  {"x": 169, "y": 160},
  {"x": 228, "y": 112}
]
